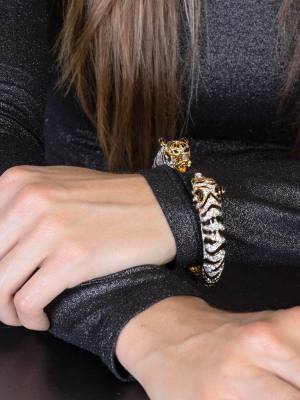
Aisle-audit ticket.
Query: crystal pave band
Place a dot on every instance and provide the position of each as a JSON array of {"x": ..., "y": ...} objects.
[{"x": 207, "y": 196}]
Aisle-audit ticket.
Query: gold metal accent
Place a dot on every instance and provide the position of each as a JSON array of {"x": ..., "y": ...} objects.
[
  {"x": 203, "y": 187},
  {"x": 174, "y": 153},
  {"x": 196, "y": 270},
  {"x": 221, "y": 191}
]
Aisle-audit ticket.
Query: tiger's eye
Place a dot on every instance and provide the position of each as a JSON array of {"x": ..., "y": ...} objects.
[
  {"x": 199, "y": 194},
  {"x": 220, "y": 191}
]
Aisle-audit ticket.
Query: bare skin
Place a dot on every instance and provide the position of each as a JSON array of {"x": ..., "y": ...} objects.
[
  {"x": 183, "y": 349},
  {"x": 74, "y": 224}
]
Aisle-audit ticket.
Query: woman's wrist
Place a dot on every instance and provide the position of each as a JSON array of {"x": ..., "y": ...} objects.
[
  {"x": 170, "y": 321},
  {"x": 175, "y": 200},
  {"x": 185, "y": 349}
]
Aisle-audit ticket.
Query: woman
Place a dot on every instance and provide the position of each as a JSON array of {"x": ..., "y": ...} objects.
[{"x": 103, "y": 236}]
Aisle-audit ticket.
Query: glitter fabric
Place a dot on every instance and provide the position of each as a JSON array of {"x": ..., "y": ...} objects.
[
  {"x": 92, "y": 314},
  {"x": 242, "y": 71},
  {"x": 239, "y": 89},
  {"x": 175, "y": 201},
  {"x": 23, "y": 50}
]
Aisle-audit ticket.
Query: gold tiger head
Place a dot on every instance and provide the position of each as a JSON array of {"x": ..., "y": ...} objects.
[
  {"x": 203, "y": 187},
  {"x": 178, "y": 152}
]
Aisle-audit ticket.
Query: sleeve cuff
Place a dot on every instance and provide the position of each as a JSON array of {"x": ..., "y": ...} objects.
[
  {"x": 175, "y": 198},
  {"x": 92, "y": 314}
]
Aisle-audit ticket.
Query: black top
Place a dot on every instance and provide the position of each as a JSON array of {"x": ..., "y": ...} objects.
[
  {"x": 238, "y": 93},
  {"x": 242, "y": 73}
]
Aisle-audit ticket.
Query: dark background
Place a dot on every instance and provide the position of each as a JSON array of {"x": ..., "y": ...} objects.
[{"x": 38, "y": 366}]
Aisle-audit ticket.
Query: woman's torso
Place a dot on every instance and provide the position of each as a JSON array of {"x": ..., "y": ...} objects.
[{"x": 240, "y": 83}]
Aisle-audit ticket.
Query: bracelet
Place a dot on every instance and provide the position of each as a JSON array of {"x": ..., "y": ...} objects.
[
  {"x": 175, "y": 154},
  {"x": 207, "y": 196}
]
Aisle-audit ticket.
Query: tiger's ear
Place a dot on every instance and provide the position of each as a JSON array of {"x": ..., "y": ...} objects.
[{"x": 162, "y": 142}]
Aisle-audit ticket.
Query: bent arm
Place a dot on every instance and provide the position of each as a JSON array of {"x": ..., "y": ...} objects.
[
  {"x": 261, "y": 216},
  {"x": 91, "y": 315}
]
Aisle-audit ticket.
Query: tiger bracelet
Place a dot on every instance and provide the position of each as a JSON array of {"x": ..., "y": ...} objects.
[{"x": 207, "y": 196}]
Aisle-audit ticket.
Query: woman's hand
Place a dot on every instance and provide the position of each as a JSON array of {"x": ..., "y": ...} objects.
[
  {"x": 182, "y": 349},
  {"x": 72, "y": 224}
]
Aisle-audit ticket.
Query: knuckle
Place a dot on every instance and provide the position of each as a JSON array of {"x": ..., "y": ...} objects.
[
  {"x": 71, "y": 253},
  {"x": 15, "y": 175},
  {"x": 48, "y": 223},
  {"x": 34, "y": 196},
  {"x": 23, "y": 304},
  {"x": 33, "y": 193},
  {"x": 259, "y": 334}
]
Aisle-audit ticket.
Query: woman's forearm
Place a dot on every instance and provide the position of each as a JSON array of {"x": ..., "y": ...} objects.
[
  {"x": 61, "y": 226},
  {"x": 93, "y": 314}
]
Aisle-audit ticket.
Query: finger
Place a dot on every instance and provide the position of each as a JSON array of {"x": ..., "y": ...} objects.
[
  {"x": 289, "y": 371},
  {"x": 15, "y": 268},
  {"x": 46, "y": 284},
  {"x": 270, "y": 387},
  {"x": 14, "y": 223},
  {"x": 10, "y": 233}
]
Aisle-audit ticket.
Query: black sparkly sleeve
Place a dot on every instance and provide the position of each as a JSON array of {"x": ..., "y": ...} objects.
[
  {"x": 262, "y": 224},
  {"x": 260, "y": 206},
  {"x": 23, "y": 72},
  {"x": 93, "y": 314},
  {"x": 173, "y": 193}
]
